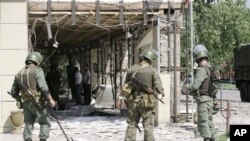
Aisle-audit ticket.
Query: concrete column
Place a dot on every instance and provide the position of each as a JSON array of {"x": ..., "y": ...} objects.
[
  {"x": 13, "y": 50},
  {"x": 163, "y": 110}
]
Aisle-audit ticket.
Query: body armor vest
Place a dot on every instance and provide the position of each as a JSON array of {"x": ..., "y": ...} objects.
[
  {"x": 28, "y": 78},
  {"x": 145, "y": 75},
  {"x": 205, "y": 85}
]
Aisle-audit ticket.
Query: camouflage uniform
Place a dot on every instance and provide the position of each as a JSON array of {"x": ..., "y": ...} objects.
[
  {"x": 32, "y": 76},
  {"x": 204, "y": 104},
  {"x": 140, "y": 103},
  {"x": 200, "y": 90}
]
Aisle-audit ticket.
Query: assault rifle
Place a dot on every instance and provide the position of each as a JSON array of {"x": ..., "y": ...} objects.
[
  {"x": 24, "y": 88},
  {"x": 148, "y": 89}
]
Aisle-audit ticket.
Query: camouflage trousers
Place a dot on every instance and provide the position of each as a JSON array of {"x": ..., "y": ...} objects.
[
  {"x": 205, "y": 120},
  {"x": 31, "y": 113},
  {"x": 136, "y": 112}
]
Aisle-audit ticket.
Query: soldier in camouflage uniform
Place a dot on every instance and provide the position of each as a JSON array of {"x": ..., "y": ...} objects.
[
  {"x": 32, "y": 76},
  {"x": 200, "y": 90},
  {"x": 141, "y": 103}
]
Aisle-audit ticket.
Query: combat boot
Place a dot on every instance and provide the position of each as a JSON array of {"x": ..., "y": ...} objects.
[
  {"x": 212, "y": 139},
  {"x": 42, "y": 139}
]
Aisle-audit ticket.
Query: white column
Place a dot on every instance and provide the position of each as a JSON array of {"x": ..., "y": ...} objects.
[
  {"x": 13, "y": 50},
  {"x": 162, "y": 114}
]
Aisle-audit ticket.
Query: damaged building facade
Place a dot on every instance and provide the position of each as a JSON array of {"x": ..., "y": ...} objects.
[{"x": 106, "y": 35}]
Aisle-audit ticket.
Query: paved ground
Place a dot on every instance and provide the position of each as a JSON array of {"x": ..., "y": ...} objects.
[{"x": 112, "y": 128}]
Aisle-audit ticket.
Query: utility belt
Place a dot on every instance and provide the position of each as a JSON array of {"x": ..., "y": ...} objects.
[
  {"x": 139, "y": 93},
  {"x": 144, "y": 100},
  {"x": 25, "y": 97}
]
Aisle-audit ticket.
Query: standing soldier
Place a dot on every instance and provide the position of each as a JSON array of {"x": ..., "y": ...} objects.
[
  {"x": 32, "y": 76},
  {"x": 200, "y": 90},
  {"x": 141, "y": 103}
]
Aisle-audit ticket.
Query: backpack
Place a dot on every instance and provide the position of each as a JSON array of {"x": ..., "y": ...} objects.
[{"x": 214, "y": 83}]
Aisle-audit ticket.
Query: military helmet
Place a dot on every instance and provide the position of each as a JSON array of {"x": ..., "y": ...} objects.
[
  {"x": 200, "y": 51},
  {"x": 35, "y": 57},
  {"x": 150, "y": 54}
]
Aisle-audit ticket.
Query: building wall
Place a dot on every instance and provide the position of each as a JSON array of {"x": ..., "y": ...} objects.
[{"x": 13, "y": 50}]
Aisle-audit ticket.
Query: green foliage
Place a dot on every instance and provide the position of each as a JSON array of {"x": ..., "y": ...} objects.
[{"x": 221, "y": 27}]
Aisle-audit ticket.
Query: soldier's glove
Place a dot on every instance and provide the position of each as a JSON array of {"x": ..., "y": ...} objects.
[{"x": 185, "y": 89}]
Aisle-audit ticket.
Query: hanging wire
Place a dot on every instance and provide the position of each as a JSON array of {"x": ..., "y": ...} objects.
[{"x": 33, "y": 29}]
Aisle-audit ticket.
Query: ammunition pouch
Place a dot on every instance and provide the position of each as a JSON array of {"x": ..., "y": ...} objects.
[
  {"x": 127, "y": 90},
  {"x": 30, "y": 97},
  {"x": 147, "y": 101}
]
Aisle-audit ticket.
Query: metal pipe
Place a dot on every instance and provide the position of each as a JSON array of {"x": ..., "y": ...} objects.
[
  {"x": 48, "y": 26},
  {"x": 158, "y": 45},
  {"x": 186, "y": 63},
  {"x": 73, "y": 8},
  {"x": 121, "y": 58},
  {"x": 191, "y": 46},
  {"x": 115, "y": 71},
  {"x": 48, "y": 19},
  {"x": 102, "y": 58},
  {"x": 90, "y": 66},
  {"x": 111, "y": 66},
  {"x": 145, "y": 21},
  {"x": 175, "y": 75},
  {"x": 228, "y": 117},
  {"x": 97, "y": 66},
  {"x": 49, "y": 11},
  {"x": 169, "y": 35},
  {"x": 121, "y": 18},
  {"x": 98, "y": 12}
]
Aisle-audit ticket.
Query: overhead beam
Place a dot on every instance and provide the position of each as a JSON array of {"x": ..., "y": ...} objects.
[
  {"x": 35, "y": 5},
  {"x": 91, "y": 12}
]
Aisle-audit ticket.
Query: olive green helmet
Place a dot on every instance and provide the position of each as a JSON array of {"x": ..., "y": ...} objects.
[
  {"x": 150, "y": 54},
  {"x": 35, "y": 57},
  {"x": 200, "y": 51}
]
